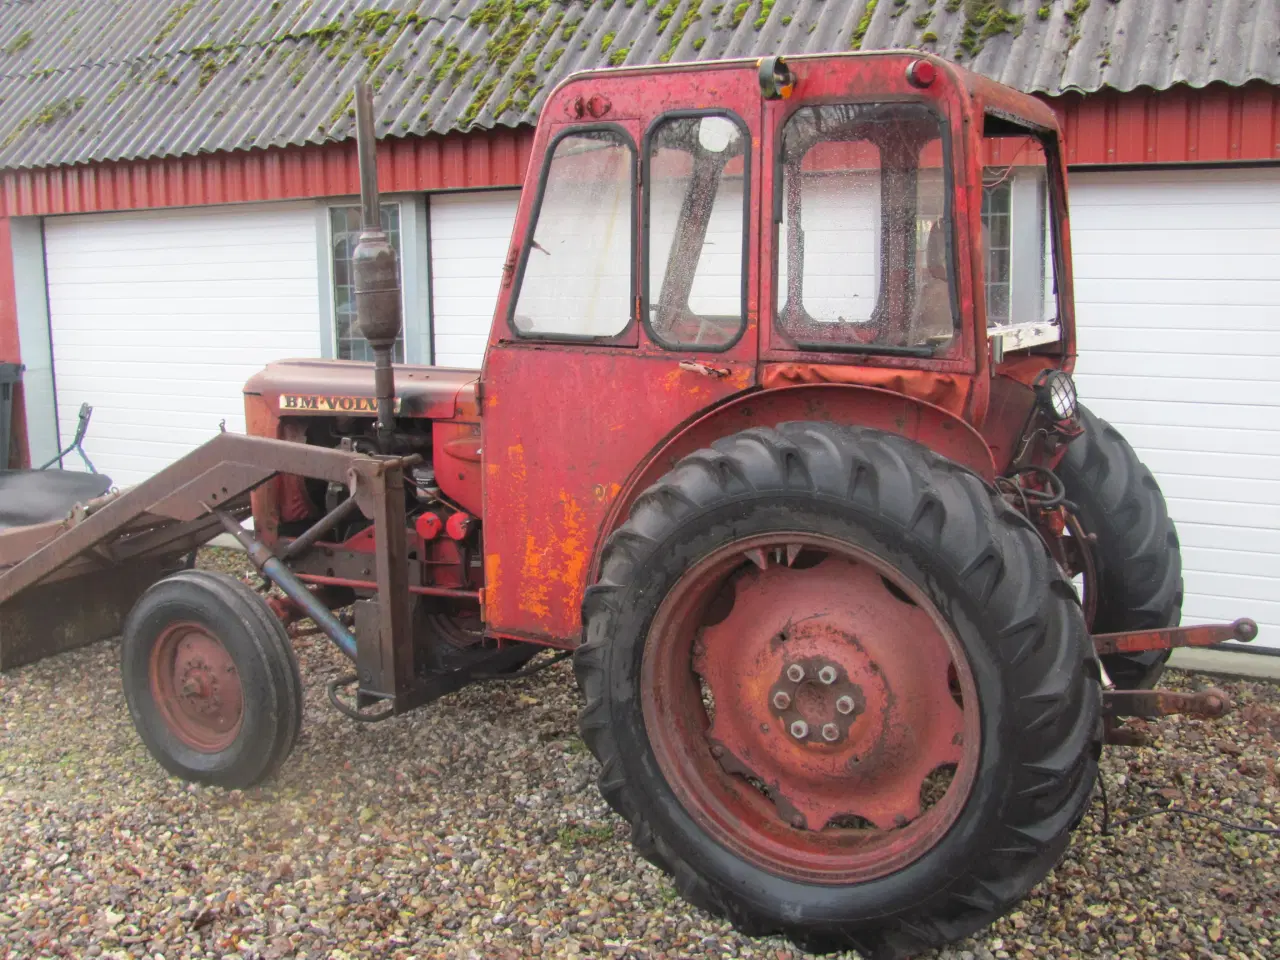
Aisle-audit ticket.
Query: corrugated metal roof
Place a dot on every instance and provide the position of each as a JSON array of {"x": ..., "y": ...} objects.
[{"x": 89, "y": 80}]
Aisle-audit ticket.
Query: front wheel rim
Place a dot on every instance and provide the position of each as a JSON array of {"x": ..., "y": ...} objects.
[
  {"x": 808, "y": 704},
  {"x": 196, "y": 687}
]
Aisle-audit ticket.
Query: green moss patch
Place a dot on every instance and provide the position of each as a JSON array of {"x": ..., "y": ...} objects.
[{"x": 862, "y": 26}]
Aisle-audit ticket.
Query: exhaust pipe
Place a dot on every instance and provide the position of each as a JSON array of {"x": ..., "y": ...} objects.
[{"x": 376, "y": 272}]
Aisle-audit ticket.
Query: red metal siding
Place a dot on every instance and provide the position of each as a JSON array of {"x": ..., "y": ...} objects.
[
  {"x": 490, "y": 158},
  {"x": 9, "y": 351},
  {"x": 17, "y": 455},
  {"x": 1180, "y": 125}
]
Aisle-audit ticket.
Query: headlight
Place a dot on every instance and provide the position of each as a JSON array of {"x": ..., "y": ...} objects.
[{"x": 1057, "y": 394}]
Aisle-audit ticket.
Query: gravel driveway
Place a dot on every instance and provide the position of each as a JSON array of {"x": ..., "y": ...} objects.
[{"x": 472, "y": 828}]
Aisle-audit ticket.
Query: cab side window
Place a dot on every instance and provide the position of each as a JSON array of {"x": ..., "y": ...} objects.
[
  {"x": 863, "y": 233},
  {"x": 1018, "y": 234},
  {"x": 696, "y": 180}
]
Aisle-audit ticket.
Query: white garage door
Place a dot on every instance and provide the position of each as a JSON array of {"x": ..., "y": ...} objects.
[
  {"x": 1177, "y": 278},
  {"x": 469, "y": 237},
  {"x": 158, "y": 318}
]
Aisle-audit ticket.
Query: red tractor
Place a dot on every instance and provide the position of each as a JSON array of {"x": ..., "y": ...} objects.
[{"x": 776, "y": 432}]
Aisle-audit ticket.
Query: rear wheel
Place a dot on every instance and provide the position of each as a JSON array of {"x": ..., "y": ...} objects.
[
  {"x": 211, "y": 680},
  {"x": 1133, "y": 578},
  {"x": 839, "y": 689}
]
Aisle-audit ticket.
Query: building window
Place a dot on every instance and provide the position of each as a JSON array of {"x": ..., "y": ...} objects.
[
  {"x": 996, "y": 221},
  {"x": 344, "y": 232}
]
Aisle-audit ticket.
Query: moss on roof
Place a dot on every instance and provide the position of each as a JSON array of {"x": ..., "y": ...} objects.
[{"x": 191, "y": 76}]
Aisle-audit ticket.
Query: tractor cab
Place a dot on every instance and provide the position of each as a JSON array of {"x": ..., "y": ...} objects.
[{"x": 886, "y": 229}]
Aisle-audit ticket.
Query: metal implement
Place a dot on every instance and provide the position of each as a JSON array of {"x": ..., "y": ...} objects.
[
  {"x": 71, "y": 581},
  {"x": 1203, "y": 635},
  {"x": 296, "y": 548},
  {"x": 274, "y": 570},
  {"x": 1164, "y": 703},
  {"x": 76, "y": 444}
]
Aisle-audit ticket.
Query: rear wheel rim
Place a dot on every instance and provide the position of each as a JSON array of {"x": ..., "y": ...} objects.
[
  {"x": 196, "y": 687},
  {"x": 806, "y": 702}
]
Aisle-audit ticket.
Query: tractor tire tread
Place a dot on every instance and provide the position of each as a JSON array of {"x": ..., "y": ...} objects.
[{"x": 1137, "y": 552}]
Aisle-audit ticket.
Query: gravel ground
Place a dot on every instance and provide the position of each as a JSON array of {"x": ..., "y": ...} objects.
[{"x": 472, "y": 828}]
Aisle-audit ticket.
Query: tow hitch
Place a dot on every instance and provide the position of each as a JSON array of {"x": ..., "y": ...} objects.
[{"x": 1149, "y": 704}]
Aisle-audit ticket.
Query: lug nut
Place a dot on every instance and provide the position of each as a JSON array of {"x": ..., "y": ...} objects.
[
  {"x": 845, "y": 705},
  {"x": 795, "y": 673},
  {"x": 781, "y": 700},
  {"x": 830, "y": 732},
  {"x": 827, "y": 675},
  {"x": 799, "y": 729}
]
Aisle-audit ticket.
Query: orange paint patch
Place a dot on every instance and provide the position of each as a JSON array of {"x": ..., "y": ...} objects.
[
  {"x": 687, "y": 382},
  {"x": 533, "y": 585},
  {"x": 492, "y": 584},
  {"x": 574, "y": 555},
  {"x": 534, "y": 580}
]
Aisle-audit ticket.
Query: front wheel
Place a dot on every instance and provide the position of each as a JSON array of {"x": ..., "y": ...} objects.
[
  {"x": 211, "y": 680},
  {"x": 839, "y": 689}
]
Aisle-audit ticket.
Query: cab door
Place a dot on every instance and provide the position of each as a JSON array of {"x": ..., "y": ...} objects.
[{"x": 628, "y": 306}]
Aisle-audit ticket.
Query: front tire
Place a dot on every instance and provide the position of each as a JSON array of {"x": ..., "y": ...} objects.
[
  {"x": 211, "y": 680},
  {"x": 951, "y": 605},
  {"x": 1138, "y": 579}
]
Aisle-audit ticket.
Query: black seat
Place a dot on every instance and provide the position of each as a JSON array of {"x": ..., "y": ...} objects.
[{"x": 38, "y": 496}]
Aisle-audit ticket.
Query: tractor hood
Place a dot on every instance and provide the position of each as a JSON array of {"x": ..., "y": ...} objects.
[{"x": 345, "y": 387}]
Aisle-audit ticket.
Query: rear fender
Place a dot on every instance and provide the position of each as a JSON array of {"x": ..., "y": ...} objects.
[{"x": 941, "y": 431}]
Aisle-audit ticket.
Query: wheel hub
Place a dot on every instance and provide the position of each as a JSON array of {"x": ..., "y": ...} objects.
[{"x": 817, "y": 695}]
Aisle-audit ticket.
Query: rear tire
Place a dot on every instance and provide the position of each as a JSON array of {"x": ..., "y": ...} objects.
[
  {"x": 211, "y": 680},
  {"x": 955, "y": 543},
  {"x": 1139, "y": 564}
]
